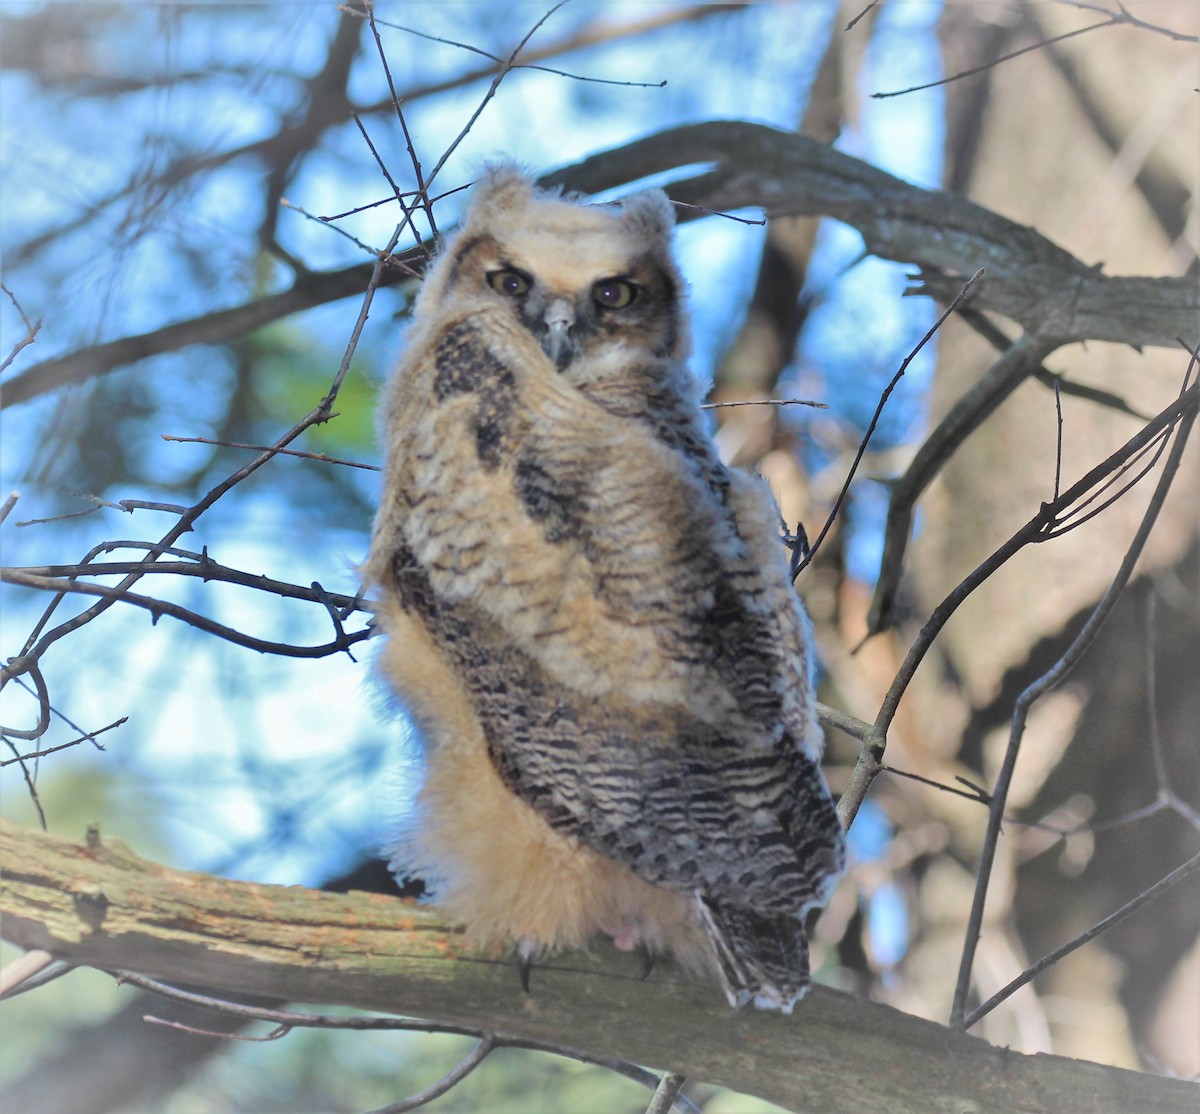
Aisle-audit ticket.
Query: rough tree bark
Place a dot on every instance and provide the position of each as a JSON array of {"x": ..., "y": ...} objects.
[{"x": 96, "y": 903}]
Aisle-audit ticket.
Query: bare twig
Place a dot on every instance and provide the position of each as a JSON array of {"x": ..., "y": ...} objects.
[
  {"x": 504, "y": 70},
  {"x": 868, "y": 765},
  {"x": 25, "y": 966},
  {"x": 1034, "y": 969},
  {"x": 90, "y": 737},
  {"x": 278, "y": 1033},
  {"x": 500, "y": 61},
  {"x": 423, "y": 199},
  {"x": 329, "y": 222},
  {"x": 301, "y": 453},
  {"x": 666, "y": 1092},
  {"x": 1048, "y": 681},
  {"x": 358, "y": 1023},
  {"x": 450, "y": 1080},
  {"x": 766, "y": 402},
  {"x": 963, "y": 418},
  {"x": 158, "y": 608},
  {"x": 32, "y": 328},
  {"x": 1123, "y": 15},
  {"x": 850, "y": 26},
  {"x": 198, "y": 565},
  {"x": 1058, "y": 440},
  {"x": 887, "y": 391},
  {"x": 1003, "y": 58},
  {"x": 843, "y": 721}
]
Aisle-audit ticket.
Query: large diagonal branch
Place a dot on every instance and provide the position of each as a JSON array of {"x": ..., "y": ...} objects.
[
  {"x": 97, "y": 904},
  {"x": 1028, "y": 278}
]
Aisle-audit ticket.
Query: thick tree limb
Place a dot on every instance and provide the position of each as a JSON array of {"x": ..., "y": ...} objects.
[
  {"x": 96, "y": 903},
  {"x": 1030, "y": 279},
  {"x": 218, "y": 327},
  {"x": 1052, "y": 294}
]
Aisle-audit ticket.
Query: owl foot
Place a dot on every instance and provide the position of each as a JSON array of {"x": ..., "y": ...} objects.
[
  {"x": 625, "y": 937},
  {"x": 649, "y": 959}
]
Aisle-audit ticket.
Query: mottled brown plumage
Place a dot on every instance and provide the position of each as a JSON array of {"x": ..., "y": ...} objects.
[{"x": 589, "y": 617}]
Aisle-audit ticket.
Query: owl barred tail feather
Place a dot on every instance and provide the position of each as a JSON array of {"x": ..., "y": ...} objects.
[
  {"x": 588, "y": 615},
  {"x": 761, "y": 958}
]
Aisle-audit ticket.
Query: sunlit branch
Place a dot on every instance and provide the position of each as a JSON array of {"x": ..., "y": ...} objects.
[{"x": 158, "y": 608}]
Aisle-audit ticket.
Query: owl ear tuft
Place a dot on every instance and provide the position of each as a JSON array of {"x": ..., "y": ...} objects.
[
  {"x": 649, "y": 214},
  {"x": 504, "y": 185}
]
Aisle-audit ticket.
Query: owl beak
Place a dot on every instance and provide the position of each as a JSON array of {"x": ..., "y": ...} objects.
[{"x": 557, "y": 343}]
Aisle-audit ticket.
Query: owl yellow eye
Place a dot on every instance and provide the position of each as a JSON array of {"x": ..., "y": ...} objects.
[
  {"x": 614, "y": 293},
  {"x": 510, "y": 282}
]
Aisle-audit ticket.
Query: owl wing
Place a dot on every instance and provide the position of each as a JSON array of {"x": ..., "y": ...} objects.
[{"x": 635, "y": 676}]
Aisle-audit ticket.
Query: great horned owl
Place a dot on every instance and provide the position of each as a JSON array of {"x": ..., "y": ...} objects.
[{"x": 589, "y": 616}]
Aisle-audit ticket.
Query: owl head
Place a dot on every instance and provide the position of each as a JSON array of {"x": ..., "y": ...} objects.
[{"x": 589, "y": 282}]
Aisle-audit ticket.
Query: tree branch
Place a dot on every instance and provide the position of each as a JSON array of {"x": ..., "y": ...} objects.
[
  {"x": 1047, "y": 290},
  {"x": 98, "y": 904}
]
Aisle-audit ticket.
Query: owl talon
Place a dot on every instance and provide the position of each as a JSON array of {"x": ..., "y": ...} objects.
[
  {"x": 524, "y": 966},
  {"x": 528, "y": 949},
  {"x": 649, "y": 959}
]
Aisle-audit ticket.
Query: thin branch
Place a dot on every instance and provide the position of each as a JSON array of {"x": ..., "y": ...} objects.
[
  {"x": 32, "y": 328},
  {"x": 887, "y": 391},
  {"x": 500, "y": 61},
  {"x": 198, "y": 565},
  {"x": 1003, "y": 58},
  {"x": 995, "y": 336},
  {"x": 294, "y": 1019},
  {"x": 324, "y": 458},
  {"x": 1058, "y": 440},
  {"x": 1031, "y": 972},
  {"x": 450, "y": 1080},
  {"x": 869, "y": 763},
  {"x": 158, "y": 608},
  {"x": 705, "y": 211},
  {"x": 850, "y": 26},
  {"x": 1046, "y": 683},
  {"x": 1123, "y": 15},
  {"x": 972, "y": 793},
  {"x": 329, "y": 222},
  {"x": 666, "y": 1093},
  {"x": 90, "y": 737},
  {"x": 325, "y": 408},
  {"x": 423, "y": 200},
  {"x": 963, "y": 418},
  {"x": 278, "y": 1033},
  {"x": 843, "y": 721},
  {"x": 501, "y": 74},
  {"x": 24, "y": 967},
  {"x": 766, "y": 402}
]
